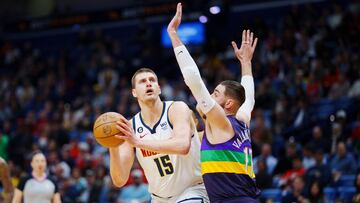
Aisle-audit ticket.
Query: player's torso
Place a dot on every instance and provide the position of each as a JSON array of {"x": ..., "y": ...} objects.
[
  {"x": 168, "y": 175},
  {"x": 227, "y": 167}
]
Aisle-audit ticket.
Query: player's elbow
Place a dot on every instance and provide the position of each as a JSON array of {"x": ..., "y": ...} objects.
[
  {"x": 118, "y": 182},
  {"x": 184, "y": 147}
]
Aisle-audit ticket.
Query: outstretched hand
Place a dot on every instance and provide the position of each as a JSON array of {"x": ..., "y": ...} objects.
[
  {"x": 248, "y": 45},
  {"x": 175, "y": 22}
]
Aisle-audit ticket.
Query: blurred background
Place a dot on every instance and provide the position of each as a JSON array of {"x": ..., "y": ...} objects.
[{"x": 64, "y": 62}]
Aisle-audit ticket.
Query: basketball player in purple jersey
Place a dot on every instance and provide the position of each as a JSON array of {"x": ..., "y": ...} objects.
[{"x": 226, "y": 154}]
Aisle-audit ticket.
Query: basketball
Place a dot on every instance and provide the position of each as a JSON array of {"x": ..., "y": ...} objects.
[{"x": 105, "y": 128}]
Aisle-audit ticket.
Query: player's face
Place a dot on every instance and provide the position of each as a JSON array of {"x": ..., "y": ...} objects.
[
  {"x": 219, "y": 95},
  {"x": 38, "y": 163},
  {"x": 146, "y": 86}
]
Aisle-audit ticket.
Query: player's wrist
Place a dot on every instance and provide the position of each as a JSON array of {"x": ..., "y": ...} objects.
[
  {"x": 245, "y": 63},
  {"x": 137, "y": 143}
]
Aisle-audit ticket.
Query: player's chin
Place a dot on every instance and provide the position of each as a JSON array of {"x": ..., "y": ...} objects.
[{"x": 150, "y": 97}]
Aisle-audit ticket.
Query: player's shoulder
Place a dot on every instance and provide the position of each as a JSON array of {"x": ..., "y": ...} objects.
[{"x": 178, "y": 104}]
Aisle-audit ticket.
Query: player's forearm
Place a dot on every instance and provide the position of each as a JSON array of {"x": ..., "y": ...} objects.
[
  {"x": 170, "y": 146},
  {"x": 193, "y": 79},
  {"x": 175, "y": 39},
  {"x": 247, "y": 81},
  {"x": 120, "y": 165}
]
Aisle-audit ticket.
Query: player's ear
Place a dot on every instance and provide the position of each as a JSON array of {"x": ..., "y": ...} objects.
[
  {"x": 229, "y": 103},
  {"x": 133, "y": 93}
]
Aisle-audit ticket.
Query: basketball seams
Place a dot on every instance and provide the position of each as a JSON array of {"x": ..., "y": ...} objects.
[
  {"x": 104, "y": 124},
  {"x": 107, "y": 136}
]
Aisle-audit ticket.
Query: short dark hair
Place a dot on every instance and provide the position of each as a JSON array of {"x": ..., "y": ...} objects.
[
  {"x": 141, "y": 70},
  {"x": 234, "y": 90}
]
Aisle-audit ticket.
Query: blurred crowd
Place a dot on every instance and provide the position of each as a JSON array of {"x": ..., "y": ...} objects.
[{"x": 305, "y": 127}]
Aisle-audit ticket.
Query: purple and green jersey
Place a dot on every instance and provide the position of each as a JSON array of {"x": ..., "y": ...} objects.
[{"x": 227, "y": 167}]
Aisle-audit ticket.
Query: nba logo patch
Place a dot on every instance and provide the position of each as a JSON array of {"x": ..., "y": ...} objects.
[{"x": 163, "y": 126}]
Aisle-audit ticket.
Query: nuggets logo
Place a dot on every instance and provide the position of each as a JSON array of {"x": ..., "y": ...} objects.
[
  {"x": 107, "y": 129},
  {"x": 140, "y": 130}
]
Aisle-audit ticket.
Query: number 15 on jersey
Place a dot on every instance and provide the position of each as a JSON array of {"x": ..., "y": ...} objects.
[{"x": 164, "y": 165}]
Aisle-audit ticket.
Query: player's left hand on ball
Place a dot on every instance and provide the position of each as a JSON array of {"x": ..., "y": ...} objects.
[
  {"x": 127, "y": 132},
  {"x": 175, "y": 22}
]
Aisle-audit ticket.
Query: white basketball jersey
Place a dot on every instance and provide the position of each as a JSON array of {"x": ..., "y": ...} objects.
[{"x": 168, "y": 174}]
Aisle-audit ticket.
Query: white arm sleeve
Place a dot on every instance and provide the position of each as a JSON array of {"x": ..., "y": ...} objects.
[
  {"x": 193, "y": 79},
  {"x": 247, "y": 82}
]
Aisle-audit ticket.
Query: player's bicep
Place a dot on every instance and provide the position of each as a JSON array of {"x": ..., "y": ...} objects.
[{"x": 180, "y": 118}]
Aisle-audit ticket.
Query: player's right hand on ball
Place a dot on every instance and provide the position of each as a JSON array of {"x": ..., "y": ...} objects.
[{"x": 127, "y": 132}]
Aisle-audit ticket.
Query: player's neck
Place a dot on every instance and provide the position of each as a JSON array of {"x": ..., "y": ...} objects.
[{"x": 151, "y": 111}]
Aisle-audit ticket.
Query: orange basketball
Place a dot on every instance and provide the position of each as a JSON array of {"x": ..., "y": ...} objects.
[{"x": 105, "y": 128}]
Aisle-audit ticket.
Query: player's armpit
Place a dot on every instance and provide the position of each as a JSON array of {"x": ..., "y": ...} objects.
[{"x": 219, "y": 126}]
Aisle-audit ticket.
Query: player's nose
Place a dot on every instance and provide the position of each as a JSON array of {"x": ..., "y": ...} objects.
[{"x": 148, "y": 83}]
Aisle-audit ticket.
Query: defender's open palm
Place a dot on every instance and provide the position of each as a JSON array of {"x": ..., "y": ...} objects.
[
  {"x": 248, "y": 44},
  {"x": 175, "y": 22}
]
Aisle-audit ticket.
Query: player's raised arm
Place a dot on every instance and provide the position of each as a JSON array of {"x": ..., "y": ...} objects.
[
  {"x": 245, "y": 54},
  {"x": 215, "y": 115}
]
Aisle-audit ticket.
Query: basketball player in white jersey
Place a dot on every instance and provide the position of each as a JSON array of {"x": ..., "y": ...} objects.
[{"x": 166, "y": 145}]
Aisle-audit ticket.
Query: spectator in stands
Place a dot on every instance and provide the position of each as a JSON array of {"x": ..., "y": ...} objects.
[
  {"x": 297, "y": 169},
  {"x": 308, "y": 156},
  {"x": 76, "y": 186},
  {"x": 285, "y": 163},
  {"x": 137, "y": 192},
  {"x": 267, "y": 156},
  {"x": 297, "y": 191},
  {"x": 109, "y": 193},
  {"x": 318, "y": 141},
  {"x": 320, "y": 172},
  {"x": 343, "y": 162},
  {"x": 260, "y": 133},
  {"x": 263, "y": 178},
  {"x": 316, "y": 193},
  {"x": 96, "y": 184},
  {"x": 4, "y": 141}
]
